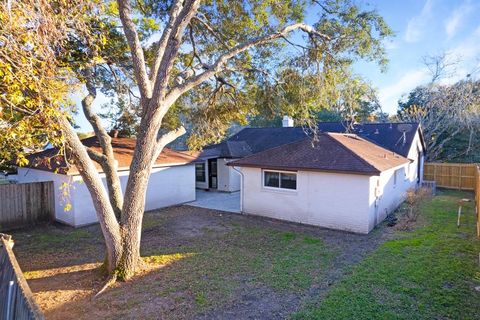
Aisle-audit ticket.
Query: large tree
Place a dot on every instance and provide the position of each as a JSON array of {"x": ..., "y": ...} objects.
[
  {"x": 449, "y": 113},
  {"x": 198, "y": 62}
]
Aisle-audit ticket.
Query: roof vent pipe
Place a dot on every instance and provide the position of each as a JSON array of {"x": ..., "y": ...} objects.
[{"x": 287, "y": 122}]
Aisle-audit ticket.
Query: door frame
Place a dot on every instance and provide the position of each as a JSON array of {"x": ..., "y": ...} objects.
[{"x": 212, "y": 173}]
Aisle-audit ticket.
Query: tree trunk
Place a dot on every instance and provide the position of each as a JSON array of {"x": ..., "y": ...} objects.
[
  {"x": 134, "y": 200},
  {"x": 105, "y": 213}
]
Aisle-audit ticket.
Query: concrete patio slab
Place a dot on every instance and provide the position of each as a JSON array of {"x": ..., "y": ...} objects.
[{"x": 224, "y": 201}]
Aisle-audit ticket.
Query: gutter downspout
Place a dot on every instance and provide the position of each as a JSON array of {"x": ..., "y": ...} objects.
[{"x": 241, "y": 188}]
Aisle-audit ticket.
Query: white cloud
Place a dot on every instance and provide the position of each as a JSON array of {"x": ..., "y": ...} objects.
[
  {"x": 389, "y": 95},
  {"x": 454, "y": 21},
  {"x": 418, "y": 23}
]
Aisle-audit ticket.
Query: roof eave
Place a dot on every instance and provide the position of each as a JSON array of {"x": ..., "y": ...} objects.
[{"x": 249, "y": 165}]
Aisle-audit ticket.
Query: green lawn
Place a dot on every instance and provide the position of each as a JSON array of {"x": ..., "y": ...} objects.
[{"x": 428, "y": 273}]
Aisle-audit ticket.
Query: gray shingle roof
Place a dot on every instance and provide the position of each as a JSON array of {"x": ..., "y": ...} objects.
[
  {"x": 253, "y": 140},
  {"x": 331, "y": 152}
]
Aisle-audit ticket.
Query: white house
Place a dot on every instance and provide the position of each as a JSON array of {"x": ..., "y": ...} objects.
[
  {"x": 172, "y": 180},
  {"x": 340, "y": 181},
  {"x": 213, "y": 173}
]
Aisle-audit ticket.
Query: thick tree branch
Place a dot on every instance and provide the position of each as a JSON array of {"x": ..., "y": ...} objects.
[
  {"x": 162, "y": 44},
  {"x": 96, "y": 156},
  {"x": 138, "y": 58},
  {"x": 219, "y": 64},
  {"x": 166, "y": 138},
  {"x": 109, "y": 164},
  {"x": 174, "y": 42},
  {"x": 170, "y": 136}
]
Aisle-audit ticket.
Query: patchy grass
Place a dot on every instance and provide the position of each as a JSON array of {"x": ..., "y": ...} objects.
[
  {"x": 197, "y": 261},
  {"x": 207, "y": 264},
  {"x": 428, "y": 273},
  {"x": 257, "y": 256}
]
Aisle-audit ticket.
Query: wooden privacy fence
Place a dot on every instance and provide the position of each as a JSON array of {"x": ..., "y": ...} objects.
[
  {"x": 25, "y": 204},
  {"x": 16, "y": 298},
  {"x": 451, "y": 175}
]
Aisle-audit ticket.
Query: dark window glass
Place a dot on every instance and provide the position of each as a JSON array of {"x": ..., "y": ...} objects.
[
  {"x": 200, "y": 172},
  {"x": 288, "y": 180},
  {"x": 272, "y": 179}
]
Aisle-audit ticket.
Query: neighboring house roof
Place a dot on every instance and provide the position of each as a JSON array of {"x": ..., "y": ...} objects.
[
  {"x": 336, "y": 152},
  {"x": 123, "y": 148},
  {"x": 388, "y": 135}
]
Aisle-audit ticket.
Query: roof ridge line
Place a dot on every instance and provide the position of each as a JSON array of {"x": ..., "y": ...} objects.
[{"x": 354, "y": 153}]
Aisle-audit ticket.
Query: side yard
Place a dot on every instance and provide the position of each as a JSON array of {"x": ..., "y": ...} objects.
[
  {"x": 430, "y": 273},
  {"x": 208, "y": 264}
]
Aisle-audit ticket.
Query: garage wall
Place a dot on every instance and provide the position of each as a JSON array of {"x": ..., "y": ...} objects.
[
  {"x": 167, "y": 186},
  {"x": 337, "y": 201}
]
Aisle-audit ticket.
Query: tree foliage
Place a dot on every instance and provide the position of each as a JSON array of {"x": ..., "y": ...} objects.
[{"x": 34, "y": 87}]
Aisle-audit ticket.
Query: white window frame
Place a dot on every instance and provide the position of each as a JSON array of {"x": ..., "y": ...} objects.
[{"x": 280, "y": 180}]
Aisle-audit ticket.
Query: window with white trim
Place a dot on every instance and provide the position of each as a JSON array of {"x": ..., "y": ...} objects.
[{"x": 280, "y": 179}]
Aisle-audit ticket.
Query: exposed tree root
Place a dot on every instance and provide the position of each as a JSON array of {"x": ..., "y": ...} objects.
[{"x": 110, "y": 281}]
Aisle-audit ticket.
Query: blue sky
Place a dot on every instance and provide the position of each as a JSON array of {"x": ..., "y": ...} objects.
[{"x": 422, "y": 27}]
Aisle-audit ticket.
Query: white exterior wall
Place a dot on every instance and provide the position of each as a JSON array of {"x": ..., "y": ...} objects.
[
  {"x": 386, "y": 195},
  {"x": 167, "y": 186},
  {"x": 228, "y": 179},
  {"x": 331, "y": 200}
]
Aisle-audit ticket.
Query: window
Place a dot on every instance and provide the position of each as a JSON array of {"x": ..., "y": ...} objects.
[
  {"x": 279, "y": 179},
  {"x": 200, "y": 175}
]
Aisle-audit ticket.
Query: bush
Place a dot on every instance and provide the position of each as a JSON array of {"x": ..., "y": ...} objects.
[{"x": 413, "y": 202}]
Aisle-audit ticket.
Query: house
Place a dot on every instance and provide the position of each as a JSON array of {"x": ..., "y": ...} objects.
[
  {"x": 171, "y": 182},
  {"x": 212, "y": 171},
  {"x": 339, "y": 181}
]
